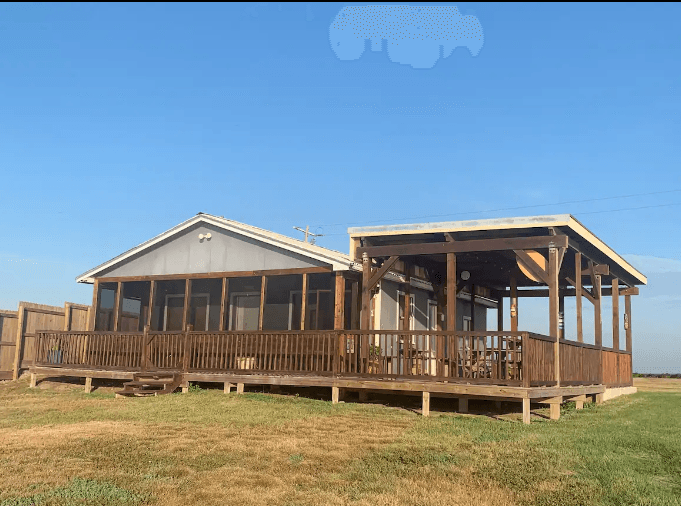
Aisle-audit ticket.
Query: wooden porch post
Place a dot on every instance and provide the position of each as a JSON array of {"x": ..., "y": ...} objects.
[
  {"x": 118, "y": 302},
  {"x": 95, "y": 301},
  {"x": 578, "y": 296},
  {"x": 514, "y": 304},
  {"x": 303, "y": 302},
  {"x": 500, "y": 314},
  {"x": 407, "y": 298},
  {"x": 451, "y": 292},
  {"x": 354, "y": 305},
  {"x": 263, "y": 290},
  {"x": 598, "y": 322},
  {"x": 67, "y": 316},
  {"x": 561, "y": 315},
  {"x": 339, "y": 319},
  {"x": 472, "y": 307},
  {"x": 615, "y": 313},
  {"x": 223, "y": 304},
  {"x": 366, "y": 296},
  {"x": 627, "y": 321},
  {"x": 152, "y": 294},
  {"x": 185, "y": 308},
  {"x": 553, "y": 310}
]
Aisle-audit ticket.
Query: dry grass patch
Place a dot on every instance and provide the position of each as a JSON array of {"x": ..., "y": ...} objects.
[{"x": 670, "y": 385}]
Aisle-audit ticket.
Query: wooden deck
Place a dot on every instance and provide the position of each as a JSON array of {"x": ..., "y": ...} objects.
[{"x": 483, "y": 365}]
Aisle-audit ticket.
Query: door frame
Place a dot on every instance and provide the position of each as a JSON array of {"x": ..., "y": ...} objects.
[
  {"x": 181, "y": 295},
  {"x": 232, "y": 297}
]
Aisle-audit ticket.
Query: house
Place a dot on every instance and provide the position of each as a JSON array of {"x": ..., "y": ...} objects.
[{"x": 216, "y": 300}]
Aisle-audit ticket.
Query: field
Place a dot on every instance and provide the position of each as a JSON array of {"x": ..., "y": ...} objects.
[{"x": 60, "y": 446}]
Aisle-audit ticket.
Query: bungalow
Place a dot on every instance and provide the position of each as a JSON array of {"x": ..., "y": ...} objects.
[{"x": 216, "y": 300}]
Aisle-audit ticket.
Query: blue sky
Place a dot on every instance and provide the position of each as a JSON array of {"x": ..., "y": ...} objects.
[{"x": 118, "y": 121}]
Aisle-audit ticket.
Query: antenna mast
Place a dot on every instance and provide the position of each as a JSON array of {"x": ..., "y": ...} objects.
[{"x": 307, "y": 233}]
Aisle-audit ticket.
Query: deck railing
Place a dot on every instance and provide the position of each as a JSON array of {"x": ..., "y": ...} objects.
[{"x": 502, "y": 358}]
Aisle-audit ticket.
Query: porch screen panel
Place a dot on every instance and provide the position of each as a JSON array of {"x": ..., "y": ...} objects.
[
  {"x": 243, "y": 303},
  {"x": 204, "y": 307},
  {"x": 320, "y": 304},
  {"x": 282, "y": 302},
  {"x": 105, "y": 306},
  {"x": 168, "y": 305},
  {"x": 135, "y": 305}
]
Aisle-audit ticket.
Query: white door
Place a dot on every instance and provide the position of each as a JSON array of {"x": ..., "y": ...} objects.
[{"x": 245, "y": 311}]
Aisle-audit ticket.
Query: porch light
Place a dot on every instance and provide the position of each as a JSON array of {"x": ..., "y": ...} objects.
[{"x": 465, "y": 275}]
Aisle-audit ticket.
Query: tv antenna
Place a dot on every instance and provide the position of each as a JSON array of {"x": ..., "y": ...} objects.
[{"x": 307, "y": 233}]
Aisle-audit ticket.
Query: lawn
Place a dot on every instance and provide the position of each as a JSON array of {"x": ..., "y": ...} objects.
[{"x": 60, "y": 446}]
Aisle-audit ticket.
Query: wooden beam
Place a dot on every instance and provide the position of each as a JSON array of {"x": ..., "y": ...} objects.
[
  {"x": 186, "y": 306},
  {"x": 532, "y": 266},
  {"x": 366, "y": 292},
  {"x": 382, "y": 271},
  {"x": 118, "y": 302},
  {"x": 263, "y": 294},
  {"x": 578, "y": 295},
  {"x": 593, "y": 269},
  {"x": 95, "y": 301},
  {"x": 223, "y": 304},
  {"x": 451, "y": 291},
  {"x": 627, "y": 321},
  {"x": 21, "y": 315},
  {"x": 554, "y": 309},
  {"x": 303, "y": 302},
  {"x": 629, "y": 291},
  {"x": 339, "y": 302},
  {"x": 435, "y": 248},
  {"x": 219, "y": 275},
  {"x": 67, "y": 316},
  {"x": 565, "y": 292},
  {"x": 615, "y": 314}
]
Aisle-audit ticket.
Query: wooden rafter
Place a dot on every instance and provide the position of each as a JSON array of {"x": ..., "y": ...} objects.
[{"x": 435, "y": 248}]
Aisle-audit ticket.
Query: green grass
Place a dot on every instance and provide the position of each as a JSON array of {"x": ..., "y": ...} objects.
[{"x": 67, "y": 447}]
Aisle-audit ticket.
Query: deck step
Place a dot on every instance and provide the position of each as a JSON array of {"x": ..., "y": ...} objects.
[{"x": 144, "y": 384}]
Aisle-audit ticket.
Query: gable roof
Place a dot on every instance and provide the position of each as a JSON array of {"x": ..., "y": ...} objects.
[
  {"x": 566, "y": 222},
  {"x": 339, "y": 261}
]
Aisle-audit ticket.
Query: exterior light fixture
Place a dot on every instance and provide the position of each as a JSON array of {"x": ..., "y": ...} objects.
[{"x": 465, "y": 275}]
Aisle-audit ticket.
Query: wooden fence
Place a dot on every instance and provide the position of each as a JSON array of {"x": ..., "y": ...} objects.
[{"x": 19, "y": 331}]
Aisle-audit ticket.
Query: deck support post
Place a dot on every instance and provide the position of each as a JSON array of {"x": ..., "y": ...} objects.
[
  {"x": 526, "y": 411},
  {"x": 598, "y": 322},
  {"x": 239, "y": 388},
  {"x": 228, "y": 387},
  {"x": 118, "y": 302},
  {"x": 554, "y": 267},
  {"x": 425, "y": 404},
  {"x": 578, "y": 296},
  {"x": 88, "y": 384},
  {"x": 303, "y": 302},
  {"x": 185, "y": 387},
  {"x": 263, "y": 294},
  {"x": 366, "y": 295},
  {"x": 451, "y": 291},
  {"x": 554, "y": 408},
  {"x": 579, "y": 401},
  {"x": 339, "y": 299},
  {"x": 152, "y": 293},
  {"x": 34, "y": 380},
  {"x": 598, "y": 398},
  {"x": 95, "y": 301},
  {"x": 463, "y": 404},
  {"x": 615, "y": 314},
  {"x": 185, "y": 308},
  {"x": 627, "y": 321},
  {"x": 224, "y": 304},
  {"x": 335, "y": 395}
]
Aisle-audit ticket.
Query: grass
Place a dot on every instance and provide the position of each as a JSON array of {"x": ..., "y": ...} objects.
[{"x": 60, "y": 446}]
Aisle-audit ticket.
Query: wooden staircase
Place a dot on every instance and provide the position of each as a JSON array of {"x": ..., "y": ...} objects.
[{"x": 151, "y": 383}]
